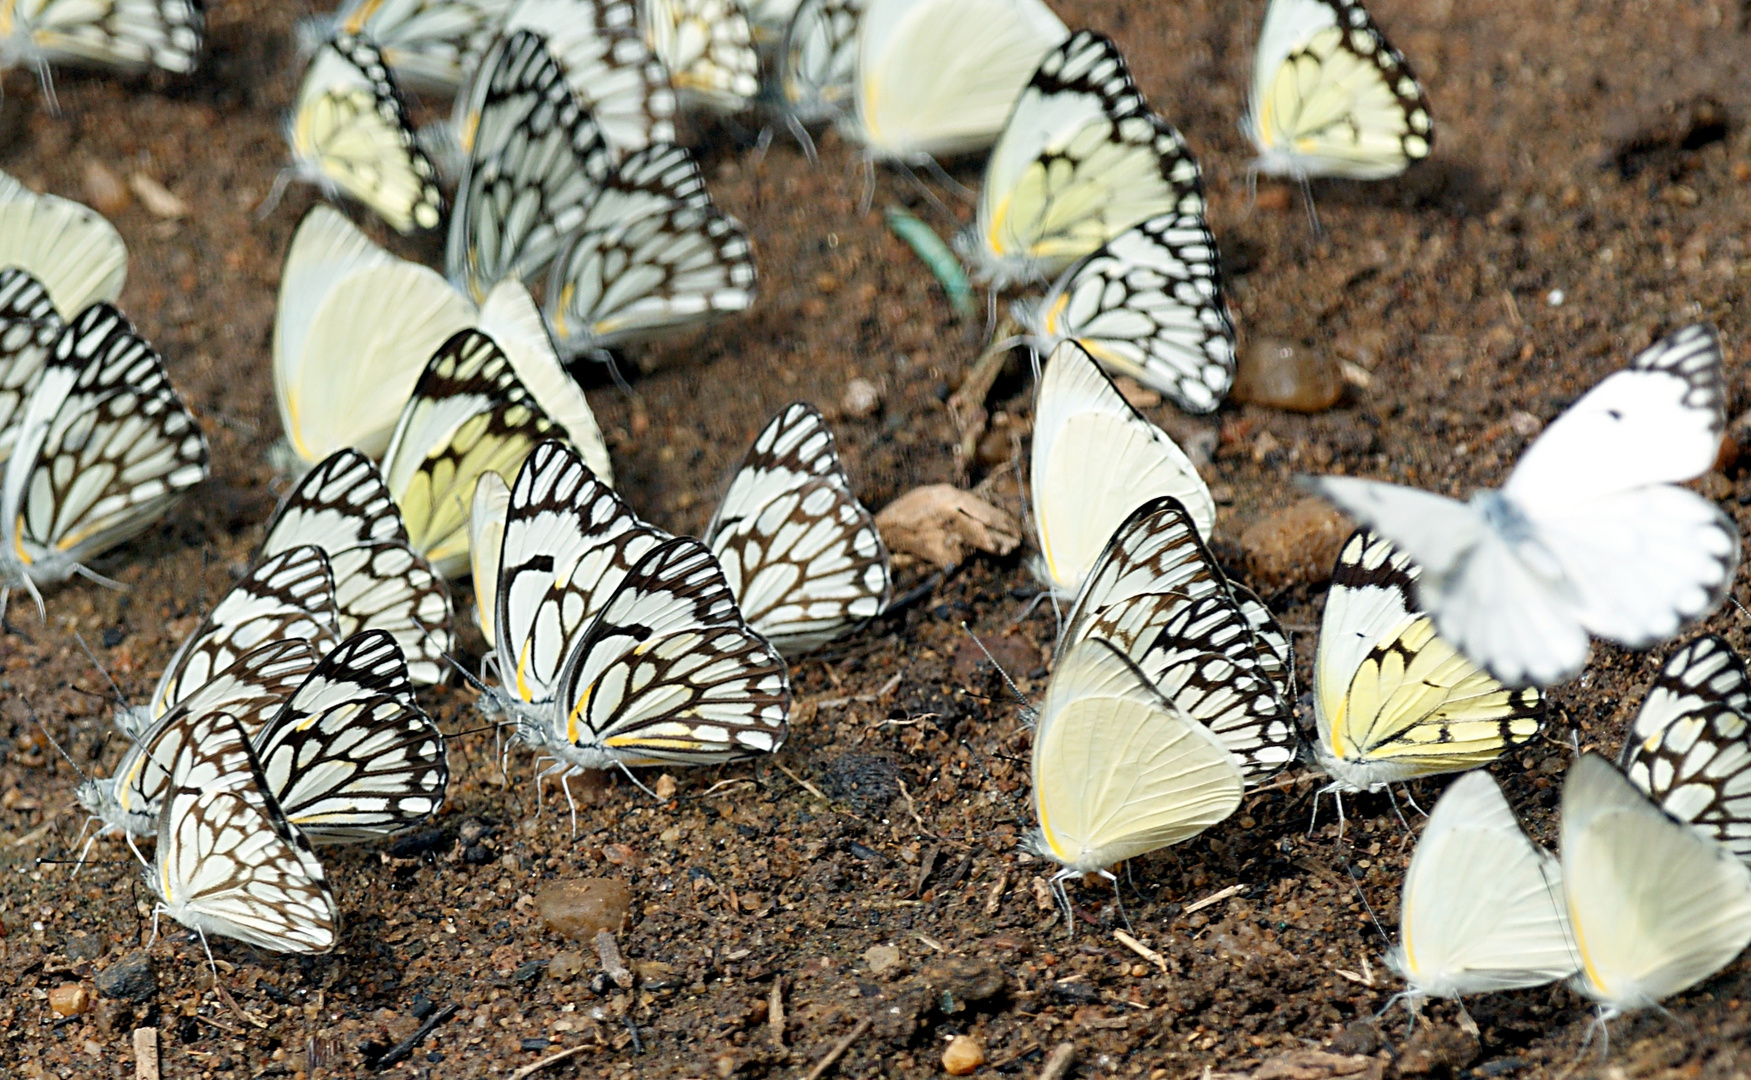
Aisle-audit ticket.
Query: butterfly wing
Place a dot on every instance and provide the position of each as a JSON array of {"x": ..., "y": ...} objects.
[
  {"x": 569, "y": 541},
  {"x": 74, "y": 251},
  {"x": 817, "y": 60},
  {"x": 351, "y": 756},
  {"x": 1095, "y": 459},
  {"x": 1690, "y": 745},
  {"x": 1483, "y": 906},
  {"x": 1154, "y": 563},
  {"x": 536, "y": 161},
  {"x": 1331, "y": 97},
  {"x": 1081, "y": 160},
  {"x": 124, "y": 35},
  {"x": 609, "y": 67},
  {"x": 431, "y": 45},
  {"x": 28, "y": 329},
  {"x": 105, "y": 446},
  {"x": 654, "y": 254},
  {"x": 939, "y": 77},
  {"x": 1148, "y": 305},
  {"x": 228, "y": 863},
  {"x": 511, "y": 318},
  {"x": 668, "y": 671},
  {"x": 351, "y": 136},
  {"x": 1656, "y": 906},
  {"x": 1117, "y": 772},
  {"x": 486, "y": 541},
  {"x": 354, "y": 328},
  {"x": 708, "y": 48}
]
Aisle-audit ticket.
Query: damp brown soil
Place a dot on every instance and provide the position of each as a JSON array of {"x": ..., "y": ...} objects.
[{"x": 1590, "y": 189}]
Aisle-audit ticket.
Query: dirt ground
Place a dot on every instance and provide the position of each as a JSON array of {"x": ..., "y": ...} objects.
[{"x": 1590, "y": 189}]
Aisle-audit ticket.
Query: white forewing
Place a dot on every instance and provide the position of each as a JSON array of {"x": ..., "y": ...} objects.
[
  {"x": 486, "y": 540},
  {"x": 1656, "y": 906},
  {"x": 72, "y": 249},
  {"x": 1483, "y": 906},
  {"x": 124, "y": 35},
  {"x": 431, "y": 45}
]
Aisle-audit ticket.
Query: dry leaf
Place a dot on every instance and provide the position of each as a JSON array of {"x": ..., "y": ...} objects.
[
  {"x": 158, "y": 200},
  {"x": 940, "y": 523}
]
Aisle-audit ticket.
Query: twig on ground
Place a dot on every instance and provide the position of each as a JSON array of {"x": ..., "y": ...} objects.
[
  {"x": 775, "y": 1011},
  {"x": 838, "y": 1050},
  {"x": 404, "y": 1049},
  {"x": 994, "y": 898},
  {"x": 1142, "y": 950},
  {"x": 146, "y": 1053},
  {"x": 552, "y": 1059},
  {"x": 612, "y": 965},
  {"x": 806, "y": 786},
  {"x": 1213, "y": 898},
  {"x": 1058, "y": 1065}
]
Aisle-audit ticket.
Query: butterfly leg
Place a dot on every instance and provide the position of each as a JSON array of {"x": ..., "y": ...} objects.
[
  {"x": 803, "y": 138},
  {"x": 1062, "y": 895},
  {"x": 1402, "y": 820},
  {"x": 1117, "y": 898}
]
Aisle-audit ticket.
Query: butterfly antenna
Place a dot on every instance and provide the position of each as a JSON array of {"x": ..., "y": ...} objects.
[
  {"x": 462, "y": 671},
  {"x": 1369, "y": 908},
  {"x": 275, "y": 193},
  {"x": 121, "y": 700},
  {"x": 1738, "y": 605},
  {"x": 1027, "y": 708},
  {"x": 59, "y": 749}
]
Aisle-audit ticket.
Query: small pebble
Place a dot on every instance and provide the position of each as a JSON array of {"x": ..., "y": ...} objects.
[
  {"x": 71, "y": 999},
  {"x": 665, "y": 787},
  {"x": 104, "y": 190},
  {"x": 131, "y": 978},
  {"x": 1524, "y": 424},
  {"x": 1297, "y": 544},
  {"x": 565, "y": 965},
  {"x": 1555, "y": 298},
  {"x": 881, "y": 959},
  {"x": 1283, "y": 375},
  {"x": 861, "y": 399},
  {"x": 158, "y": 200},
  {"x": 582, "y": 907},
  {"x": 963, "y": 1056},
  {"x": 940, "y": 524}
]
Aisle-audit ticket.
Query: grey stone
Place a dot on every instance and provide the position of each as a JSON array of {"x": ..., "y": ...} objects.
[{"x": 130, "y": 979}]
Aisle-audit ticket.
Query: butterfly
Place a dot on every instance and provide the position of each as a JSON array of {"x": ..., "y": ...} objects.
[
  {"x": 816, "y": 79},
  {"x": 227, "y": 861},
  {"x": 1095, "y": 459},
  {"x": 1394, "y": 700},
  {"x": 476, "y": 409},
  {"x": 708, "y": 48},
  {"x": 343, "y": 508},
  {"x": 350, "y": 136},
  {"x": 1656, "y": 906},
  {"x": 536, "y": 160},
  {"x": 653, "y": 254},
  {"x": 1483, "y": 905},
  {"x": 431, "y": 45},
  {"x": 129, "y": 36},
  {"x": 612, "y": 72},
  {"x": 1081, "y": 160},
  {"x": 69, "y": 248},
  {"x": 1330, "y": 96},
  {"x": 288, "y": 596},
  {"x": 1148, "y": 304},
  {"x": 355, "y": 327},
  {"x": 936, "y": 78},
  {"x": 617, "y": 645},
  {"x": 29, "y": 326},
  {"x": 103, "y": 448},
  {"x": 350, "y": 756},
  {"x": 1117, "y": 771},
  {"x": 1210, "y": 647},
  {"x": 248, "y": 692},
  {"x": 801, "y": 555},
  {"x": 1690, "y": 745},
  {"x": 1590, "y": 535}
]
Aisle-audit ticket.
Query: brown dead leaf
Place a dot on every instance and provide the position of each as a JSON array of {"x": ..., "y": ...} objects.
[{"x": 940, "y": 523}]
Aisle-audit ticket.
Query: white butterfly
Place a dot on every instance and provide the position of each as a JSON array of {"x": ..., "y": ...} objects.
[
  {"x": 1117, "y": 771},
  {"x": 1656, "y": 906},
  {"x": 248, "y": 692},
  {"x": 288, "y": 596},
  {"x": 356, "y": 326},
  {"x": 227, "y": 860},
  {"x": 431, "y": 45},
  {"x": 615, "y": 644},
  {"x": 1330, "y": 96},
  {"x": 350, "y": 756},
  {"x": 1095, "y": 459},
  {"x": 478, "y": 409},
  {"x": 937, "y": 78},
  {"x": 130, "y": 36},
  {"x": 1483, "y": 905},
  {"x": 1393, "y": 700},
  {"x": 350, "y": 136},
  {"x": 70, "y": 248},
  {"x": 601, "y": 50},
  {"x": 344, "y": 508},
  {"x": 801, "y": 555},
  {"x": 28, "y": 329},
  {"x": 1148, "y": 305},
  {"x": 536, "y": 160},
  {"x": 103, "y": 448},
  {"x": 1081, "y": 160},
  {"x": 1209, "y": 647},
  {"x": 486, "y": 540},
  {"x": 653, "y": 254},
  {"x": 1590, "y": 535},
  {"x": 1690, "y": 745},
  {"x": 708, "y": 47}
]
